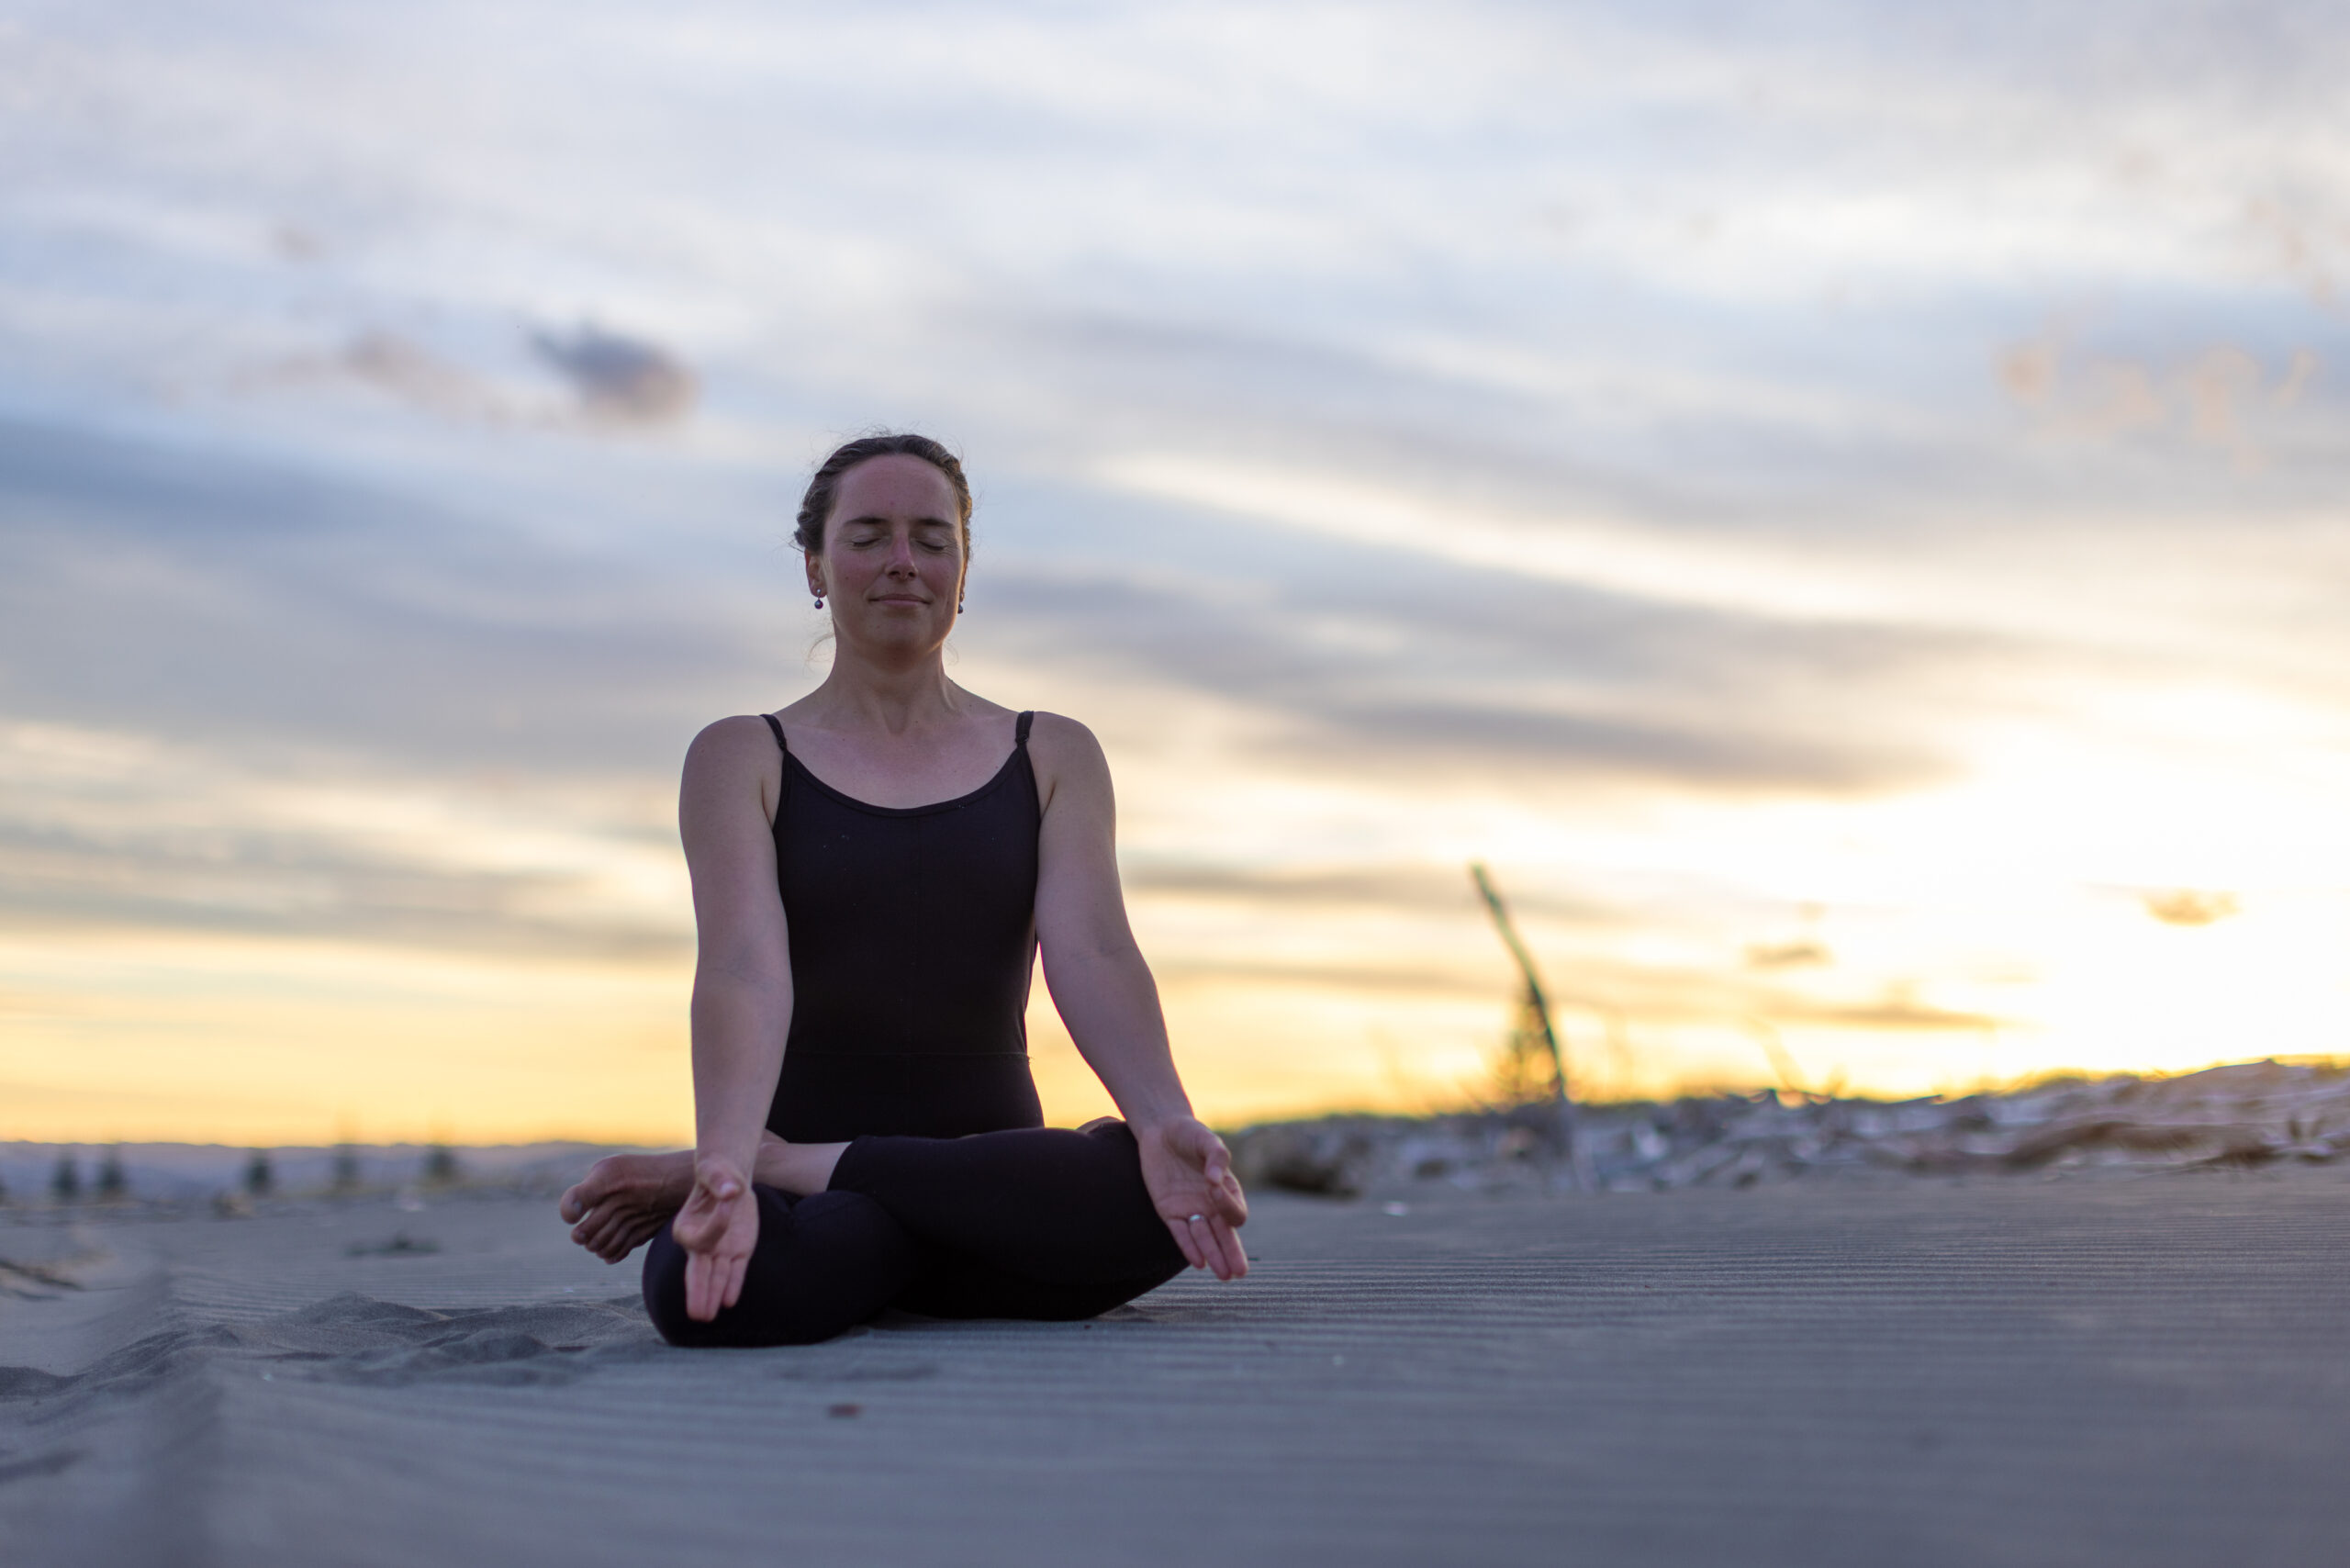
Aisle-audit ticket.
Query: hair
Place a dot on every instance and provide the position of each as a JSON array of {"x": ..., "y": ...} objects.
[{"x": 823, "y": 486}]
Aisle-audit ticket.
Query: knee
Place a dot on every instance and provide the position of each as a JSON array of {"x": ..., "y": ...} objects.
[
  {"x": 1129, "y": 1226},
  {"x": 855, "y": 1237},
  {"x": 665, "y": 1290},
  {"x": 822, "y": 1265},
  {"x": 665, "y": 1296}
]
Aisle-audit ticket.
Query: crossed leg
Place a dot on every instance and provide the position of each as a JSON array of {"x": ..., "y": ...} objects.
[
  {"x": 625, "y": 1199},
  {"x": 1036, "y": 1222},
  {"x": 822, "y": 1264}
]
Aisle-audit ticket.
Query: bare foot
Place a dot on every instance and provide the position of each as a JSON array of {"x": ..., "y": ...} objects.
[{"x": 625, "y": 1199}]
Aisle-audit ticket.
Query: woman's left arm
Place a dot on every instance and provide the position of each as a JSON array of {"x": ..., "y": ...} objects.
[{"x": 1106, "y": 996}]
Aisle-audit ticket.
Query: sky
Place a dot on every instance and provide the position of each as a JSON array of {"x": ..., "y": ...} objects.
[{"x": 1838, "y": 506}]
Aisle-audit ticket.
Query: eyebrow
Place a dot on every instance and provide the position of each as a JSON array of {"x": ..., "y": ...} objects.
[{"x": 884, "y": 522}]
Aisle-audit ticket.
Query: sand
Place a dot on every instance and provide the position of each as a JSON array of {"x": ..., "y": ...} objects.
[{"x": 2146, "y": 1370}]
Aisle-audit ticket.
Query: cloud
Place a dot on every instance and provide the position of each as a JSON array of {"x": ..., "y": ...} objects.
[
  {"x": 416, "y": 375},
  {"x": 619, "y": 380},
  {"x": 252, "y": 878},
  {"x": 1459, "y": 673},
  {"x": 614, "y": 381},
  {"x": 1397, "y": 889},
  {"x": 2187, "y": 906},
  {"x": 213, "y": 597},
  {"x": 2220, "y": 398},
  {"x": 114, "y": 831}
]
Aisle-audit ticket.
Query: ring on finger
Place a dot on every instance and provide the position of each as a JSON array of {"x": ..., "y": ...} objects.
[{"x": 1196, "y": 1218}]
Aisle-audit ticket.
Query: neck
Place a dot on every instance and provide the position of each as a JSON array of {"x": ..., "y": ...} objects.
[{"x": 863, "y": 693}]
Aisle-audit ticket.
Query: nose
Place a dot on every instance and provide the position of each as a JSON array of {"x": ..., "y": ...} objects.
[{"x": 901, "y": 555}]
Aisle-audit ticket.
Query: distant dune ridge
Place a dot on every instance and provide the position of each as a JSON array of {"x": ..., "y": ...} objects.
[
  {"x": 2245, "y": 1114},
  {"x": 187, "y": 1173}
]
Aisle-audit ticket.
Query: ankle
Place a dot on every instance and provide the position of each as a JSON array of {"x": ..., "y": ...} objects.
[{"x": 803, "y": 1169}]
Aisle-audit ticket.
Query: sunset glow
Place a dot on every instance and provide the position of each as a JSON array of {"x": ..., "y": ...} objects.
[{"x": 1842, "y": 514}]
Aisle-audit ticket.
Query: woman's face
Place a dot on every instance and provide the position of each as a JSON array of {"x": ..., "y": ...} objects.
[{"x": 892, "y": 563}]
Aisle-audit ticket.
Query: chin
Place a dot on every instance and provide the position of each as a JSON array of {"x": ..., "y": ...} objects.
[{"x": 906, "y": 634}]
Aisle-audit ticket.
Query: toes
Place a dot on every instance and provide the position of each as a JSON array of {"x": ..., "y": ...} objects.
[{"x": 595, "y": 1231}]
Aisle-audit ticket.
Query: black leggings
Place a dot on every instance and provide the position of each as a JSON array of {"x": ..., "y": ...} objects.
[{"x": 1035, "y": 1221}]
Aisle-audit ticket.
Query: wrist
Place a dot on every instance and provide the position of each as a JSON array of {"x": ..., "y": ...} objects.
[{"x": 708, "y": 1157}]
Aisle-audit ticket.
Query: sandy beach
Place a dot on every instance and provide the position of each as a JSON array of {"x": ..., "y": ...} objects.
[{"x": 2089, "y": 1370}]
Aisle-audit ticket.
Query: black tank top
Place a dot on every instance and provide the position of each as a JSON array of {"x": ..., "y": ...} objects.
[{"x": 913, "y": 930}]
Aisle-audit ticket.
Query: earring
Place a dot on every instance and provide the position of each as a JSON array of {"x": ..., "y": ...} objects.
[
  {"x": 958, "y": 607},
  {"x": 819, "y": 602}
]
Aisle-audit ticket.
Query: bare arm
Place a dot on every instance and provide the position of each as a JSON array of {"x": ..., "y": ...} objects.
[
  {"x": 1106, "y": 996},
  {"x": 742, "y": 1000}
]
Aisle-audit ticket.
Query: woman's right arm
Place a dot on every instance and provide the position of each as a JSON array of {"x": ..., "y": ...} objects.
[{"x": 742, "y": 1000}]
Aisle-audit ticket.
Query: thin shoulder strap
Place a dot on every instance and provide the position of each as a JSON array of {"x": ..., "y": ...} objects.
[
  {"x": 778, "y": 733},
  {"x": 1020, "y": 731}
]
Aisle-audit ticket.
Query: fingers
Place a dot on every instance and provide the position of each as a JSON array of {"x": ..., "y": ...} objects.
[
  {"x": 1208, "y": 1242},
  {"x": 1218, "y": 1163},
  {"x": 1223, "y": 1187},
  {"x": 1204, "y": 1231},
  {"x": 1181, "y": 1229},
  {"x": 1232, "y": 1257},
  {"x": 736, "y": 1269},
  {"x": 700, "y": 1223},
  {"x": 714, "y": 1283},
  {"x": 718, "y": 1228}
]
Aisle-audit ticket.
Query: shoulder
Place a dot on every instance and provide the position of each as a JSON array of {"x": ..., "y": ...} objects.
[
  {"x": 732, "y": 753},
  {"x": 742, "y": 737},
  {"x": 1065, "y": 745},
  {"x": 1069, "y": 761}
]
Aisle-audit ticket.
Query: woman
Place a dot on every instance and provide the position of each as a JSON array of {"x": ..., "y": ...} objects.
[{"x": 874, "y": 869}]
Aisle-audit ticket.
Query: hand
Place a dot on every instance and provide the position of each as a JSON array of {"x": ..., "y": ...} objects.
[
  {"x": 1188, "y": 1172},
  {"x": 718, "y": 1228}
]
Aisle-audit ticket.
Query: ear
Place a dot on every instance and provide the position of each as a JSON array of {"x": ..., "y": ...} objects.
[{"x": 815, "y": 572}]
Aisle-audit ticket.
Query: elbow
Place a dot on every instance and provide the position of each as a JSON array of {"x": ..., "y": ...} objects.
[
  {"x": 1103, "y": 952},
  {"x": 739, "y": 974}
]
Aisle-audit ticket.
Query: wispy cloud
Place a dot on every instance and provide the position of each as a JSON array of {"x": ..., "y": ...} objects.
[
  {"x": 1707, "y": 458},
  {"x": 113, "y": 832}
]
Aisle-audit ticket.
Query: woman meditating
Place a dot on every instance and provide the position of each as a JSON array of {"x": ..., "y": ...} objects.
[{"x": 874, "y": 869}]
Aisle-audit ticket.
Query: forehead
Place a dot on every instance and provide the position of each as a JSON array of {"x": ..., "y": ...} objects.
[{"x": 895, "y": 487}]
